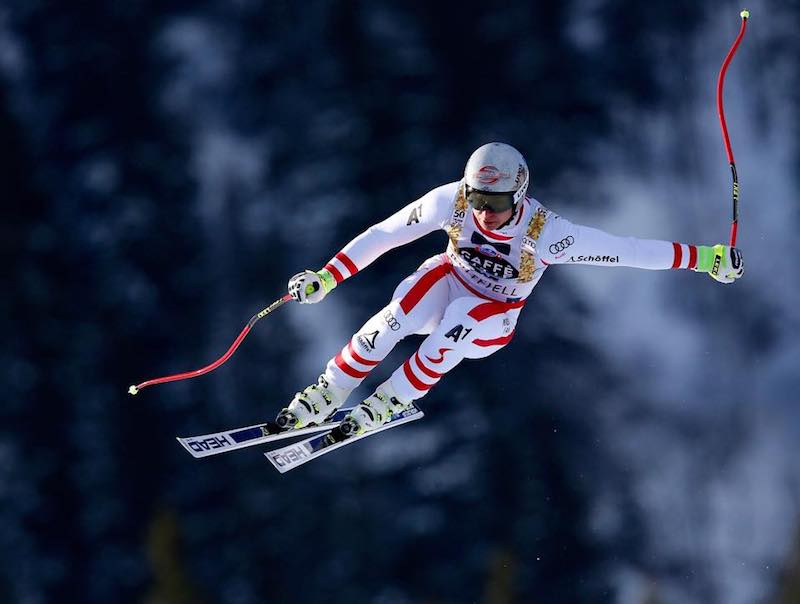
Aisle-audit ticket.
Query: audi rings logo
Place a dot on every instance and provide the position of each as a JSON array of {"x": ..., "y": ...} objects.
[
  {"x": 560, "y": 246},
  {"x": 393, "y": 323}
]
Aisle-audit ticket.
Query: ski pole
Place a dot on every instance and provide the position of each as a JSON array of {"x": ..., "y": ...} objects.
[
  {"x": 191, "y": 374},
  {"x": 745, "y": 15}
]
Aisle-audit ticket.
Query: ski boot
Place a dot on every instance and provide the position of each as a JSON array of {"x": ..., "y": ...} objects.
[
  {"x": 373, "y": 412},
  {"x": 312, "y": 406}
]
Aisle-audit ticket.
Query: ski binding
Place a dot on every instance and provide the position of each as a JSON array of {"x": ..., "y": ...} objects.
[
  {"x": 294, "y": 455},
  {"x": 215, "y": 443}
]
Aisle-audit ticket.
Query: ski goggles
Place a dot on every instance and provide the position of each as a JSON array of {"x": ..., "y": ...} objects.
[{"x": 491, "y": 202}]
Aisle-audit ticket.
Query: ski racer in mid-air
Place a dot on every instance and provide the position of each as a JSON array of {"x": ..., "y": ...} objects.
[{"x": 468, "y": 299}]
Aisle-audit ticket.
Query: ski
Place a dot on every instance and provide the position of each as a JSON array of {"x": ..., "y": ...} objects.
[
  {"x": 215, "y": 443},
  {"x": 294, "y": 455}
]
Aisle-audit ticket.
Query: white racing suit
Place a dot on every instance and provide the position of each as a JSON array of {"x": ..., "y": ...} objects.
[{"x": 467, "y": 300}]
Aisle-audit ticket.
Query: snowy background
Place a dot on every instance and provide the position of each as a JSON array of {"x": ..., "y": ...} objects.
[{"x": 168, "y": 165}]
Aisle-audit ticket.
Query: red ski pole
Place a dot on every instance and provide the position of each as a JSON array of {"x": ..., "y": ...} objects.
[
  {"x": 191, "y": 374},
  {"x": 745, "y": 15}
]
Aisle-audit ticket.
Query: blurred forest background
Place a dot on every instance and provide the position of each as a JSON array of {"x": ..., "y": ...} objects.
[{"x": 168, "y": 165}]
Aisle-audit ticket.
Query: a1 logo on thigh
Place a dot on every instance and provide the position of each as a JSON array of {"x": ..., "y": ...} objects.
[{"x": 458, "y": 333}]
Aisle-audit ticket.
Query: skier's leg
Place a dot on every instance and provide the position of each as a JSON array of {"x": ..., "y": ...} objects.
[
  {"x": 417, "y": 305},
  {"x": 471, "y": 328}
]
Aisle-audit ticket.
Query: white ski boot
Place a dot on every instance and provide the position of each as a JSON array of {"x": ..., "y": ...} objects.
[
  {"x": 313, "y": 405},
  {"x": 376, "y": 409}
]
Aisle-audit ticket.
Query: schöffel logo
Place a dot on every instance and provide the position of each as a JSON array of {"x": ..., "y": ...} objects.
[
  {"x": 367, "y": 340},
  {"x": 560, "y": 246},
  {"x": 608, "y": 259}
]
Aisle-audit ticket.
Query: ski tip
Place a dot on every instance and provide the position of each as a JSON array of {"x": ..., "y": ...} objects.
[
  {"x": 133, "y": 391},
  {"x": 745, "y": 14}
]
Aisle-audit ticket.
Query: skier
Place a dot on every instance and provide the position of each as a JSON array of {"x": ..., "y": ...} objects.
[{"x": 468, "y": 299}]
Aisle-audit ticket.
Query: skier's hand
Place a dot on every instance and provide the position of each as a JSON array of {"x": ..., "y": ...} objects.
[
  {"x": 721, "y": 262},
  {"x": 309, "y": 287}
]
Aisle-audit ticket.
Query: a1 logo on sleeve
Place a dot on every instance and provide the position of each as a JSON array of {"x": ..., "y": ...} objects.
[{"x": 415, "y": 215}]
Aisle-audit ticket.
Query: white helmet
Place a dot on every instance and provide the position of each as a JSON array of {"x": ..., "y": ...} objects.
[{"x": 497, "y": 168}]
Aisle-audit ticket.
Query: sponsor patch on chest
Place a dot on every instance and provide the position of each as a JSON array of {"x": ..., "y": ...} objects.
[{"x": 488, "y": 262}]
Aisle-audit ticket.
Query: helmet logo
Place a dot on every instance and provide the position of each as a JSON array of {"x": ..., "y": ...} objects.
[
  {"x": 520, "y": 176},
  {"x": 489, "y": 175}
]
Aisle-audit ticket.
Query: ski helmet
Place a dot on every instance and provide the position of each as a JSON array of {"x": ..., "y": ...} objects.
[{"x": 496, "y": 177}]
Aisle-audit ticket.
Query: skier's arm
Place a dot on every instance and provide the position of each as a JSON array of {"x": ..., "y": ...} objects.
[
  {"x": 563, "y": 242},
  {"x": 420, "y": 217},
  {"x": 426, "y": 214}
]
